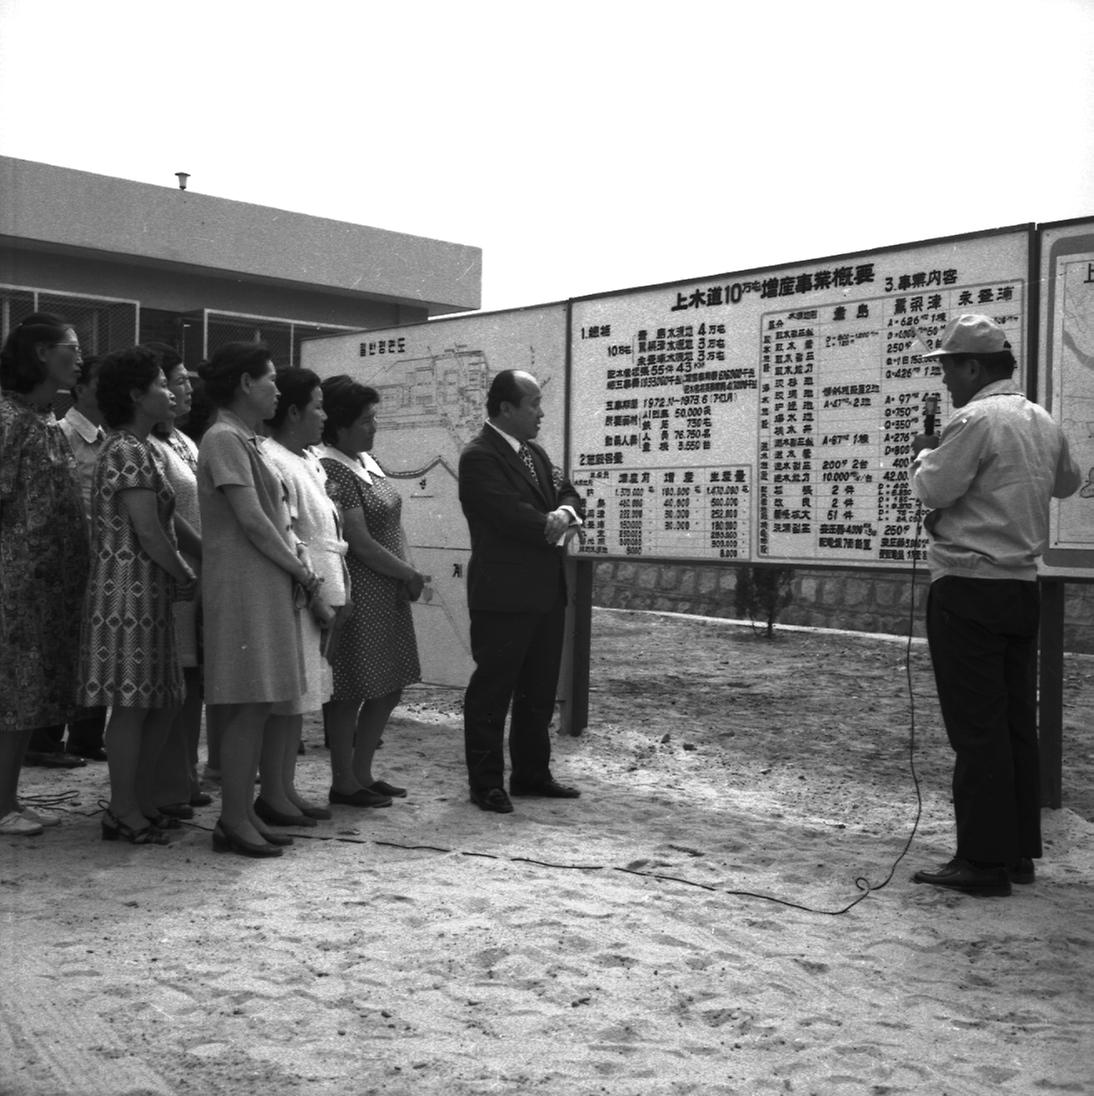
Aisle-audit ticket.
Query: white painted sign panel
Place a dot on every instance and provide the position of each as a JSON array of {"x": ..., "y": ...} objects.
[{"x": 767, "y": 416}]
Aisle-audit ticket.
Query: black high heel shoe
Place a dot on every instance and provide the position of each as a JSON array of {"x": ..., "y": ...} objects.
[
  {"x": 226, "y": 841},
  {"x": 275, "y": 838},
  {"x": 181, "y": 811},
  {"x": 163, "y": 821},
  {"x": 274, "y": 817},
  {"x": 114, "y": 829}
]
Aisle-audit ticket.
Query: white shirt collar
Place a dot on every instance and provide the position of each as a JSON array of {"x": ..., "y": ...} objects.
[
  {"x": 365, "y": 467},
  {"x": 83, "y": 425},
  {"x": 514, "y": 443}
]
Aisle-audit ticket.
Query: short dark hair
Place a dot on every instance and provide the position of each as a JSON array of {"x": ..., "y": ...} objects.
[
  {"x": 21, "y": 370},
  {"x": 223, "y": 372},
  {"x": 168, "y": 356},
  {"x": 84, "y": 371},
  {"x": 999, "y": 364},
  {"x": 296, "y": 387},
  {"x": 344, "y": 399},
  {"x": 504, "y": 388},
  {"x": 119, "y": 373},
  {"x": 202, "y": 410},
  {"x": 163, "y": 429}
]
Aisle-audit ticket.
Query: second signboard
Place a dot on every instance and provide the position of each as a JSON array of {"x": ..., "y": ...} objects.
[{"x": 768, "y": 416}]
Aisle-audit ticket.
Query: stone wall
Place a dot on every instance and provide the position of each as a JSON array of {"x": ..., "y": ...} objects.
[{"x": 859, "y": 600}]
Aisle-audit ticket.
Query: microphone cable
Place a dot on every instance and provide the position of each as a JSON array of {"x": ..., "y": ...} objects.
[{"x": 862, "y": 884}]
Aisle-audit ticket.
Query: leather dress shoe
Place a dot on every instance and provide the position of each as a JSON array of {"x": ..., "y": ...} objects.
[
  {"x": 966, "y": 877},
  {"x": 382, "y": 787},
  {"x": 363, "y": 797},
  {"x": 491, "y": 799},
  {"x": 226, "y": 841},
  {"x": 177, "y": 810},
  {"x": 274, "y": 817},
  {"x": 1022, "y": 871},
  {"x": 277, "y": 839},
  {"x": 546, "y": 789},
  {"x": 94, "y": 753},
  {"x": 53, "y": 760}
]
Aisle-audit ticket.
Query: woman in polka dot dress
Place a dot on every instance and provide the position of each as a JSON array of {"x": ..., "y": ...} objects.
[{"x": 375, "y": 653}]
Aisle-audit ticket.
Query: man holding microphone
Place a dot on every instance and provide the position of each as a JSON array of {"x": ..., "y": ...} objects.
[{"x": 986, "y": 483}]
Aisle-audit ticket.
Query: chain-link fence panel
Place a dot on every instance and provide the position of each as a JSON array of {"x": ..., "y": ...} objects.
[{"x": 100, "y": 325}]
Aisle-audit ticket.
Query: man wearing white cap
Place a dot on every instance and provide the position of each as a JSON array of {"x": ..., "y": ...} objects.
[{"x": 986, "y": 483}]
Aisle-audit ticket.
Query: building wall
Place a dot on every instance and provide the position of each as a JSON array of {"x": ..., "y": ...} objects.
[
  {"x": 183, "y": 290},
  {"x": 864, "y": 601},
  {"x": 53, "y": 207}
]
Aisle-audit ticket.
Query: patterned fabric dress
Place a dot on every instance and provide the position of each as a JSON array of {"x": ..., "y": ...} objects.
[
  {"x": 44, "y": 559},
  {"x": 376, "y": 652},
  {"x": 127, "y": 654}
]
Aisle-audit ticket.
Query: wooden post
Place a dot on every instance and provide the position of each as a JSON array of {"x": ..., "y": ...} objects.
[
  {"x": 574, "y": 716},
  {"x": 1050, "y": 708}
]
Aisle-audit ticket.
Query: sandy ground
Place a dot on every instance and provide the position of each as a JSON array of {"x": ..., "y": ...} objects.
[{"x": 682, "y": 928}]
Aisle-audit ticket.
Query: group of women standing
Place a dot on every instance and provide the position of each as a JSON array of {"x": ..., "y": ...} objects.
[{"x": 276, "y": 563}]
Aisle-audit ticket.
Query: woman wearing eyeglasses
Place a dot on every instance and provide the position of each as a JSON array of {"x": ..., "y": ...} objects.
[{"x": 44, "y": 552}]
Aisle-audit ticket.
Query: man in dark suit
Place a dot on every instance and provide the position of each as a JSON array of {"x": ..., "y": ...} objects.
[{"x": 519, "y": 511}]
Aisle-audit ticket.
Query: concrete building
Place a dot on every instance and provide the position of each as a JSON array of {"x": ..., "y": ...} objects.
[{"x": 127, "y": 262}]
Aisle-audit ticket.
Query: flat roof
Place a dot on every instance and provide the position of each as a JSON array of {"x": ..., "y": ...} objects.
[{"x": 54, "y": 208}]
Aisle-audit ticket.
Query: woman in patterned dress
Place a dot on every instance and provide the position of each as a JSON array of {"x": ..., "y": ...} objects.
[
  {"x": 128, "y": 659},
  {"x": 178, "y": 790},
  {"x": 294, "y": 427},
  {"x": 376, "y": 654},
  {"x": 43, "y": 551},
  {"x": 252, "y": 583}
]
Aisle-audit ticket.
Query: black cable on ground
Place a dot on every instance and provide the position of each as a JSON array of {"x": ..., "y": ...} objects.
[{"x": 862, "y": 884}]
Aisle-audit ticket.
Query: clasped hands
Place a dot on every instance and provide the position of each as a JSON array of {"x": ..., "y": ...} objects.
[
  {"x": 309, "y": 595},
  {"x": 416, "y": 584},
  {"x": 558, "y": 521}
]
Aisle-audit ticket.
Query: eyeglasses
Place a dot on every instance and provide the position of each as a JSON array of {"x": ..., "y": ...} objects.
[{"x": 69, "y": 346}]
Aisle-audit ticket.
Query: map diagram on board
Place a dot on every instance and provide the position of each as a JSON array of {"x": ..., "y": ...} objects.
[
  {"x": 431, "y": 407},
  {"x": 432, "y": 380}
]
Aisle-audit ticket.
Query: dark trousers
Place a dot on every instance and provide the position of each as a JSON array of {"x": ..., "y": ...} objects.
[
  {"x": 517, "y": 658},
  {"x": 983, "y": 640}
]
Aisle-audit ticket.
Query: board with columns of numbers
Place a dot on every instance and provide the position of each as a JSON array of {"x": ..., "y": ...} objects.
[{"x": 767, "y": 416}]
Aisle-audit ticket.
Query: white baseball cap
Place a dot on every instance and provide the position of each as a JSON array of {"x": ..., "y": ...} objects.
[{"x": 971, "y": 334}]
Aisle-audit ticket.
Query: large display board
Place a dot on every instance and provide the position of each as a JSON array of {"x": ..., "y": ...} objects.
[
  {"x": 432, "y": 379},
  {"x": 767, "y": 416},
  {"x": 1067, "y": 382}
]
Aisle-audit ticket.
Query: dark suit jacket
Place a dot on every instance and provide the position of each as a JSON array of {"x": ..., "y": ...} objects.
[{"x": 512, "y": 569}]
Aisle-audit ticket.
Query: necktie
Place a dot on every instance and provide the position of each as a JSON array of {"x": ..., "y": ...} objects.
[{"x": 525, "y": 455}]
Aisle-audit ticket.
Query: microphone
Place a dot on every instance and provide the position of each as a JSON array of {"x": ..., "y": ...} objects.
[{"x": 930, "y": 411}]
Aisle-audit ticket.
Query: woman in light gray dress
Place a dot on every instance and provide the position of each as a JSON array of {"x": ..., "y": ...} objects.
[{"x": 253, "y": 585}]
